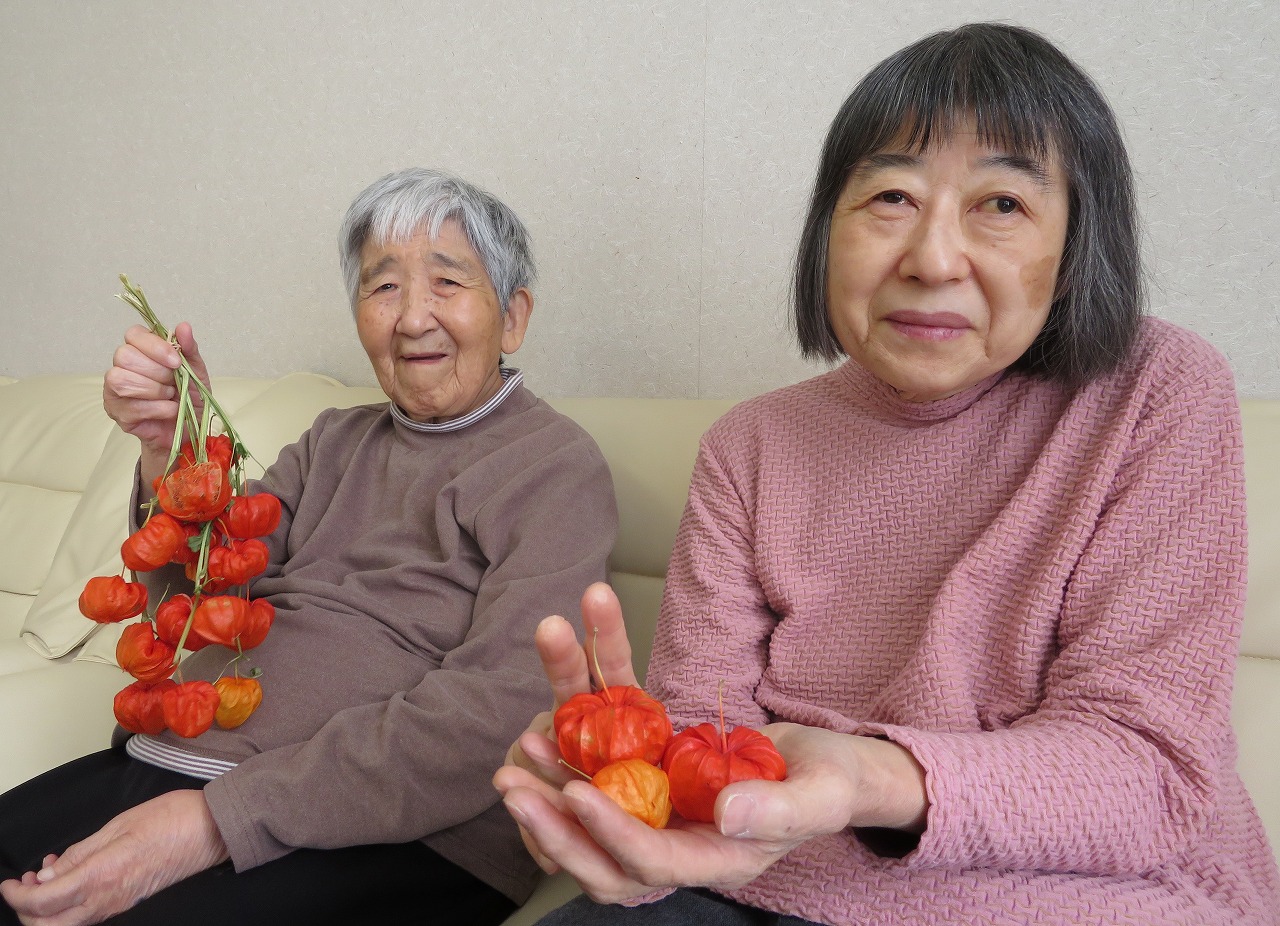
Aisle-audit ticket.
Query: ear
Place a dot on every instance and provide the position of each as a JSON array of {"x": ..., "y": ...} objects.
[{"x": 516, "y": 321}]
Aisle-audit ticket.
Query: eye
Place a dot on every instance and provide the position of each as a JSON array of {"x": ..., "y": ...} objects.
[
  {"x": 893, "y": 197},
  {"x": 1002, "y": 205},
  {"x": 385, "y": 288}
]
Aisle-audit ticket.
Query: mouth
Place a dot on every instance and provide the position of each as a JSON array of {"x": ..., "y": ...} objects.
[
  {"x": 425, "y": 357},
  {"x": 928, "y": 326}
]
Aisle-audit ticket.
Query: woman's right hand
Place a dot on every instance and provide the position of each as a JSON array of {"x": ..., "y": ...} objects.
[
  {"x": 834, "y": 781},
  {"x": 139, "y": 393}
]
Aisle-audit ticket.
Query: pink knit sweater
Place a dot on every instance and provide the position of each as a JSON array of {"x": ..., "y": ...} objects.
[{"x": 1035, "y": 590}]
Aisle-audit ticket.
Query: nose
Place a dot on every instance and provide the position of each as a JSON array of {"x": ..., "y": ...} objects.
[
  {"x": 417, "y": 309},
  {"x": 936, "y": 250}
]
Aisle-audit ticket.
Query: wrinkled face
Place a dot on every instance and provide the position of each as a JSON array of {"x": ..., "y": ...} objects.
[
  {"x": 430, "y": 320},
  {"x": 942, "y": 264}
]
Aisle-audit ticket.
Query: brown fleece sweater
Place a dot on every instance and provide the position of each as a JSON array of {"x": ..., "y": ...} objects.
[{"x": 408, "y": 574}]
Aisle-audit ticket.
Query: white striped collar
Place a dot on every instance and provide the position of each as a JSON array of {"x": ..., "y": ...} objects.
[
  {"x": 511, "y": 378},
  {"x": 157, "y": 752}
]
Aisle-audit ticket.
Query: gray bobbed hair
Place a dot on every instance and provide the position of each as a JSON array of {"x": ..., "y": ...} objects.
[
  {"x": 418, "y": 199},
  {"x": 1027, "y": 96}
]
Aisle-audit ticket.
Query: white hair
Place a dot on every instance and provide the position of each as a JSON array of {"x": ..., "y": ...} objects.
[{"x": 418, "y": 199}]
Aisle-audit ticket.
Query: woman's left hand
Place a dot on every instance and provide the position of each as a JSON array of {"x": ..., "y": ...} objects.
[
  {"x": 140, "y": 852},
  {"x": 833, "y": 781}
]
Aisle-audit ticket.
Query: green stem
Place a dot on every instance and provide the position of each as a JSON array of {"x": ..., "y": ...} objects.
[
  {"x": 133, "y": 296},
  {"x": 202, "y": 563}
]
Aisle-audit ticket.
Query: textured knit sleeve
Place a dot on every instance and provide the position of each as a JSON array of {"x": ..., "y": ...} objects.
[
  {"x": 713, "y": 632},
  {"x": 1119, "y": 768},
  {"x": 421, "y": 761}
]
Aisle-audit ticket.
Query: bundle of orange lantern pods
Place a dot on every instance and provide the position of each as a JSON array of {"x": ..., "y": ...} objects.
[
  {"x": 621, "y": 739},
  {"x": 200, "y": 519}
]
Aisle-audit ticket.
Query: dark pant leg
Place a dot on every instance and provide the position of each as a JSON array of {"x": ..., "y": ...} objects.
[
  {"x": 683, "y": 908},
  {"x": 63, "y": 806},
  {"x": 385, "y": 884},
  {"x": 376, "y": 884}
]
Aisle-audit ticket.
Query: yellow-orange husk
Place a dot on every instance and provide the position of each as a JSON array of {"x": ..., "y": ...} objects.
[
  {"x": 638, "y": 788},
  {"x": 240, "y": 697}
]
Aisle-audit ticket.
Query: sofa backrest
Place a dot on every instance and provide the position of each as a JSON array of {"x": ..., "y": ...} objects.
[
  {"x": 1256, "y": 702},
  {"x": 650, "y": 445},
  {"x": 65, "y": 473}
]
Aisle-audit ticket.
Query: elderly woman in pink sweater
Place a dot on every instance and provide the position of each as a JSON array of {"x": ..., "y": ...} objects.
[{"x": 981, "y": 584}]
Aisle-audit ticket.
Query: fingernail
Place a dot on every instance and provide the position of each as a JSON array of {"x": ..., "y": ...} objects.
[
  {"x": 517, "y": 812},
  {"x": 735, "y": 820},
  {"x": 44, "y": 874},
  {"x": 575, "y": 793}
]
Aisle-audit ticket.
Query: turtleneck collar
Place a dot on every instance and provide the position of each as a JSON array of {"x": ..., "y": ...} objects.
[
  {"x": 881, "y": 398},
  {"x": 511, "y": 378}
]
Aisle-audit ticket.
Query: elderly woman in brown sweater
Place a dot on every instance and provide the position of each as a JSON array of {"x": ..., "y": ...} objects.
[{"x": 406, "y": 591}]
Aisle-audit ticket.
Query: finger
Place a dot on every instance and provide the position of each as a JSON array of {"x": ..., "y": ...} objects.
[
  {"x": 43, "y": 902},
  {"x": 535, "y": 852},
  {"x": 135, "y": 373},
  {"x": 152, "y": 347},
  {"x": 139, "y": 412},
  {"x": 608, "y": 648},
  {"x": 782, "y": 814},
  {"x": 509, "y": 777},
  {"x": 544, "y": 756},
  {"x": 539, "y": 726},
  {"x": 187, "y": 341},
  {"x": 536, "y": 753},
  {"x": 133, "y": 385},
  {"x": 563, "y": 660},
  {"x": 562, "y": 841}
]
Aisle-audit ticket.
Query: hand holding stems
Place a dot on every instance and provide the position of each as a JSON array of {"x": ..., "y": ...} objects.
[
  {"x": 141, "y": 851},
  {"x": 156, "y": 381},
  {"x": 834, "y": 781}
]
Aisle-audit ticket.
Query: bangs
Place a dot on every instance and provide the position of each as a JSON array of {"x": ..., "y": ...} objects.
[
  {"x": 410, "y": 212},
  {"x": 986, "y": 82}
]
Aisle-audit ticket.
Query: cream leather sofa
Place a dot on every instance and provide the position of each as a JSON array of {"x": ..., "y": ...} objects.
[{"x": 65, "y": 474}]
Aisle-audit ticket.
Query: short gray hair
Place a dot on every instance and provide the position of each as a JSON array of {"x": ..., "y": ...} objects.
[{"x": 419, "y": 199}]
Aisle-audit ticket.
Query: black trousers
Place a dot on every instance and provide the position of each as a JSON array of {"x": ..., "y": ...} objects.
[{"x": 406, "y": 883}]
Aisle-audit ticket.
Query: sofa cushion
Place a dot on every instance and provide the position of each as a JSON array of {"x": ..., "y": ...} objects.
[
  {"x": 54, "y": 430},
  {"x": 1261, "y": 637},
  {"x": 1253, "y": 717},
  {"x": 55, "y": 714}
]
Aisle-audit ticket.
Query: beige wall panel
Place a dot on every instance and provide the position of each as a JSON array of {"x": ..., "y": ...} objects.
[
  {"x": 661, "y": 152},
  {"x": 1193, "y": 84},
  {"x": 209, "y": 150}
]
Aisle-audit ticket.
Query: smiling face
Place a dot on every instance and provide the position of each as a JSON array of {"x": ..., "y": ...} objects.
[
  {"x": 430, "y": 320},
  {"x": 942, "y": 264}
]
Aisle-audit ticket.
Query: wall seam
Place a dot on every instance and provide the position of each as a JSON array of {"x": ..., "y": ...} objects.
[{"x": 702, "y": 223}]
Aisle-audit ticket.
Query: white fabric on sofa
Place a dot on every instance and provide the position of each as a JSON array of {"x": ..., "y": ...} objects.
[{"x": 64, "y": 481}]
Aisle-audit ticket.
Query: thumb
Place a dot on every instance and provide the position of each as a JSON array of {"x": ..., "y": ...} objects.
[
  {"x": 775, "y": 812},
  {"x": 48, "y": 869},
  {"x": 186, "y": 339}
]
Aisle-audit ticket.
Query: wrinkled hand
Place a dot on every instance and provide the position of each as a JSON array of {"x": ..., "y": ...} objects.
[
  {"x": 140, "y": 852},
  {"x": 833, "y": 781},
  {"x": 139, "y": 394},
  {"x": 615, "y": 857},
  {"x": 567, "y": 666}
]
